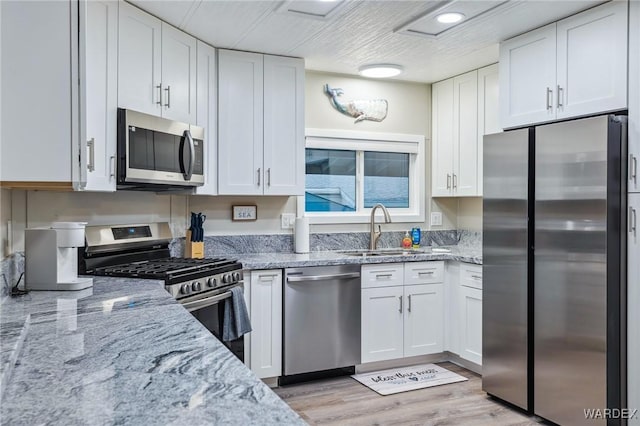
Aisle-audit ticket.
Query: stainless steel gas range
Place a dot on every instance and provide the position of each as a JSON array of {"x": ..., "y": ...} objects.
[{"x": 142, "y": 251}]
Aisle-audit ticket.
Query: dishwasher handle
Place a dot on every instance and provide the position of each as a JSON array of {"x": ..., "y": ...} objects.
[{"x": 346, "y": 276}]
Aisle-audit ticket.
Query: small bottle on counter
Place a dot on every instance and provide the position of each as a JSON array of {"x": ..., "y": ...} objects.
[
  {"x": 407, "y": 241},
  {"x": 415, "y": 238}
]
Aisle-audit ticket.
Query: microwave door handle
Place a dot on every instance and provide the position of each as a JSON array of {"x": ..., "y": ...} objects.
[{"x": 188, "y": 171}]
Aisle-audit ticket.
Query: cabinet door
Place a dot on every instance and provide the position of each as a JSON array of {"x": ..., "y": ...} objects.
[
  {"x": 266, "y": 321},
  {"x": 139, "y": 79},
  {"x": 442, "y": 140},
  {"x": 528, "y": 78},
  {"x": 633, "y": 318},
  {"x": 382, "y": 329},
  {"x": 283, "y": 126},
  {"x": 423, "y": 319},
  {"x": 470, "y": 309},
  {"x": 634, "y": 98},
  {"x": 595, "y": 81},
  {"x": 206, "y": 114},
  {"x": 101, "y": 82},
  {"x": 240, "y": 119},
  {"x": 178, "y": 75},
  {"x": 37, "y": 94},
  {"x": 465, "y": 134},
  {"x": 488, "y": 112}
]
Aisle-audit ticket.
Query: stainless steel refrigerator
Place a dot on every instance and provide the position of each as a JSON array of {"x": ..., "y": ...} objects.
[{"x": 553, "y": 272}]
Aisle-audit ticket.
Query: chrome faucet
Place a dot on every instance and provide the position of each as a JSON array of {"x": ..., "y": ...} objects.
[{"x": 376, "y": 234}]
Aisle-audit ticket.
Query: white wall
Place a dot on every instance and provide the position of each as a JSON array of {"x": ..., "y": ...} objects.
[
  {"x": 470, "y": 214},
  {"x": 409, "y": 112}
]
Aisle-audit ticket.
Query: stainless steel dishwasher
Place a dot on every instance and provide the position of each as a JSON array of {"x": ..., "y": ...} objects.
[{"x": 321, "y": 318}]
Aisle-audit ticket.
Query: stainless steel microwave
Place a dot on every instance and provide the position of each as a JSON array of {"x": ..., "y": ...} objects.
[{"x": 158, "y": 154}]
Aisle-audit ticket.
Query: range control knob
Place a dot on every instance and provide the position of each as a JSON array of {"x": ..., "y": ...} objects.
[
  {"x": 211, "y": 282},
  {"x": 236, "y": 276},
  {"x": 185, "y": 289},
  {"x": 196, "y": 286},
  {"x": 226, "y": 278}
]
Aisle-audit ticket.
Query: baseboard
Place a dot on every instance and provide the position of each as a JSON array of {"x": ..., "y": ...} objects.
[
  {"x": 476, "y": 368},
  {"x": 272, "y": 382},
  {"x": 401, "y": 362}
]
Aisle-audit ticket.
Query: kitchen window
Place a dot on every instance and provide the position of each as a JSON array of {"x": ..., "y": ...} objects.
[{"x": 347, "y": 173}]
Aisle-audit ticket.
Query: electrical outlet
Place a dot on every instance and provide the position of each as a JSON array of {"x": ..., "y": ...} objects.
[
  {"x": 436, "y": 219},
  {"x": 287, "y": 220}
]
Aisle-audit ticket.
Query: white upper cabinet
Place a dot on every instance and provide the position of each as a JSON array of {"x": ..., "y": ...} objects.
[
  {"x": 156, "y": 66},
  {"x": 528, "y": 77},
  {"x": 442, "y": 141},
  {"x": 464, "y": 108},
  {"x": 594, "y": 41},
  {"x": 139, "y": 60},
  {"x": 488, "y": 112},
  {"x": 465, "y": 134},
  {"x": 261, "y": 124},
  {"x": 240, "y": 113},
  {"x": 207, "y": 114},
  {"x": 283, "y": 126},
  {"x": 575, "y": 67},
  {"x": 634, "y": 98},
  {"x": 178, "y": 75},
  {"x": 101, "y": 81}
]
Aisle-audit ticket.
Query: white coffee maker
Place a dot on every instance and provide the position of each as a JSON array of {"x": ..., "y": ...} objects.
[{"x": 51, "y": 257}]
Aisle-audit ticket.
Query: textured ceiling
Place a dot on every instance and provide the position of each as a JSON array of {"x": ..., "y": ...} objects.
[{"x": 361, "y": 32}]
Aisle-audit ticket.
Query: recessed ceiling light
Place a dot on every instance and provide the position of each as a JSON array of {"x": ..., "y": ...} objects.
[
  {"x": 450, "y": 17},
  {"x": 380, "y": 70}
]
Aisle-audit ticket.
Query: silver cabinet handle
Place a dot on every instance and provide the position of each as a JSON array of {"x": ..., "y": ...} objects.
[
  {"x": 323, "y": 277},
  {"x": 455, "y": 181},
  {"x": 159, "y": 101},
  {"x": 426, "y": 273},
  {"x": 409, "y": 308},
  {"x": 400, "y": 299},
  {"x": 448, "y": 181},
  {"x": 560, "y": 93},
  {"x": 112, "y": 166},
  {"x": 632, "y": 220},
  {"x": 259, "y": 176},
  {"x": 168, "y": 90},
  {"x": 269, "y": 176},
  {"x": 633, "y": 167},
  {"x": 549, "y": 96},
  {"x": 91, "y": 164},
  {"x": 378, "y": 276},
  {"x": 476, "y": 277}
]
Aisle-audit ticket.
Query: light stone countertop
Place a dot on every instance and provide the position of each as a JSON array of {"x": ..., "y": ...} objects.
[
  {"x": 467, "y": 254},
  {"x": 123, "y": 352}
]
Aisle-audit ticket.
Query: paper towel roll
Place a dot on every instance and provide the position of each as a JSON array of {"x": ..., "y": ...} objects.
[{"x": 301, "y": 235}]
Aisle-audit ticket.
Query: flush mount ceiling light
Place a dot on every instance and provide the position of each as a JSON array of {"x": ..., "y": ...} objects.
[
  {"x": 380, "y": 70},
  {"x": 450, "y": 17}
]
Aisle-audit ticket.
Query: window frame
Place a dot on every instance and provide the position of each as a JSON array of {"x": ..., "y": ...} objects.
[{"x": 377, "y": 142}]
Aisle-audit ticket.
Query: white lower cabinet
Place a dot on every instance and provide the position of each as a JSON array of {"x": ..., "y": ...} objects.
[
  {"x": 382, "y": 323},
  {"x": 470, "y": 313},
  {"x": 633, "y": 314},
  {"x": 401, "y": 320},
  {"x": 265, "y": 312}
]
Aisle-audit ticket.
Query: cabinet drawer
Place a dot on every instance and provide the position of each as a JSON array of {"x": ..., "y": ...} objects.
[
  {"x": 423, "y": 272},
  {"x": 471, "y": 276},
  {"x": 382, "y": 275}
]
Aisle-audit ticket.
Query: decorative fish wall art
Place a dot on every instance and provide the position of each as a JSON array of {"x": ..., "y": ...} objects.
[{"x": 371, "y": 109}]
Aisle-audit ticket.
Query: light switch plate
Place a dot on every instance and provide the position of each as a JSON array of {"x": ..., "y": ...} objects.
[
  {"x": 436, "y": 219},
  {"x": 287, "y": 220}
]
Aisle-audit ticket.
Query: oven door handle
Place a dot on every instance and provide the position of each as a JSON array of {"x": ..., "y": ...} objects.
[{"x": 208, "y": 301}]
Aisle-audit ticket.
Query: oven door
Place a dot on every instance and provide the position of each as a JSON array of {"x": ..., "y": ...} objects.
[{"x": 209, "y": 310}]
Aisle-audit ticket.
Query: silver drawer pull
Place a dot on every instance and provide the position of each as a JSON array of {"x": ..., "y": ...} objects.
[
  {"x": 267, "y": 277},
  {"x": 476, "y": 277},
  {"x": 378, "y": 276},
  {"x": 426, "y": 273}
]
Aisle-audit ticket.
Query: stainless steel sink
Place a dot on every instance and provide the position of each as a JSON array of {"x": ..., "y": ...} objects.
[{"x": 384, "y": 252}]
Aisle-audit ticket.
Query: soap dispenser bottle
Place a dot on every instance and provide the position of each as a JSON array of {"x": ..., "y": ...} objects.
[{"x": 406, "y": 241}]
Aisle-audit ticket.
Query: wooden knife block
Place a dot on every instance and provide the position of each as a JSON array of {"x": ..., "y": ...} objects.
[{"x": 193, "y": 249}]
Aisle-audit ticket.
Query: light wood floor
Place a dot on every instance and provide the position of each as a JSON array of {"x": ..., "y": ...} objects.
[{"x": 344, "y": 401}]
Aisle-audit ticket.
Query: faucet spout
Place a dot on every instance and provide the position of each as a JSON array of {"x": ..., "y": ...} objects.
[{"x": 375, "y": 235}]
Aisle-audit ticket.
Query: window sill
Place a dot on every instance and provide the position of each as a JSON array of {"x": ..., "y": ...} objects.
[{"x": 337, "y": 218}]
